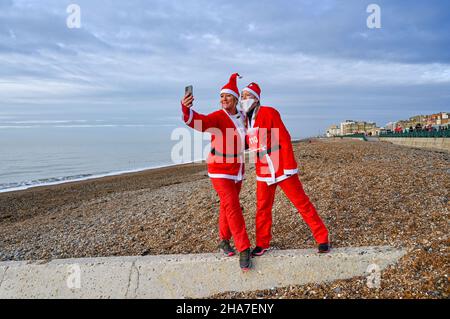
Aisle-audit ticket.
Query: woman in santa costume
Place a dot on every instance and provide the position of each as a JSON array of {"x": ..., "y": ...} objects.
[
  {"x": 225, "y": 164},
  {"x": 275, "y": 166}
]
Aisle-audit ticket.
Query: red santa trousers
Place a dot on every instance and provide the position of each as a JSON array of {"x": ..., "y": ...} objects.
[
  {"x": 293, "y": 189},
  {"x": 231, "y": 219}
]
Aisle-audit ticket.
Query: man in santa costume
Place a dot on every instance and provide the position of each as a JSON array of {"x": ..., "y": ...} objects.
[
  {"x": 275, "y": 166},
  {"x": 225, "y": 164}
]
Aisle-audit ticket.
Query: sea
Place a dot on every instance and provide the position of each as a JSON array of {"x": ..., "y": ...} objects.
[{"x": 38, "y": 149}]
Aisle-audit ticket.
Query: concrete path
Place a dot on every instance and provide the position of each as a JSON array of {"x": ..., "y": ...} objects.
[{"x": 180, "y": 276}]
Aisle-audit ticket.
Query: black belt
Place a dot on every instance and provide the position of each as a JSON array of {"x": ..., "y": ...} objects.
[
  {"x": 263, "y": 153},
  {"x": 214, "y": 152}
]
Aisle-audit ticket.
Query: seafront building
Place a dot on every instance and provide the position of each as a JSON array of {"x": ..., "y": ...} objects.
[
  {"x": 350, "y": 127},
  {"x": 333, "y": 130},
  {"x": 432, "y": 120}
]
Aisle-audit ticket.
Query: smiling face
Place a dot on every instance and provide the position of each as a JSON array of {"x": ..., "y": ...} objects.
[{"x": 228, "y": 102}]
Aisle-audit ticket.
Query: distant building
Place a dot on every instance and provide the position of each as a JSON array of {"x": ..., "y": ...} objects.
[
  {"x": 358, "y": 127},
  {"x": 333, "y": 130},
  {"x": 438, "y": 119},
  {"x": 348, "y": 127},
  {"x": 418, "y": 122},
  {"x": 374, "y": 131},
  {"x": 424, "y": 121},
  {"x": 390, "y": 126}
]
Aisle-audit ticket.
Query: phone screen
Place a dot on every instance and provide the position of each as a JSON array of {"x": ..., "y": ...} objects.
[{"x": 189, "y": 90}]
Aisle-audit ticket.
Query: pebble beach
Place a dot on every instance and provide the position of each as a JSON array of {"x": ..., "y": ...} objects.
[{"x": 367, "y": 193}]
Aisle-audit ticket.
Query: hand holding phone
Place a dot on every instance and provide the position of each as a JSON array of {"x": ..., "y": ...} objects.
[{"x": 188, "y": 99}]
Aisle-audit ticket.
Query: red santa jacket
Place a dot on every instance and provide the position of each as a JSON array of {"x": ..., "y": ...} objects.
[
  {"x": 267, "y": 135},
  {"x": 226, "y": 159}
]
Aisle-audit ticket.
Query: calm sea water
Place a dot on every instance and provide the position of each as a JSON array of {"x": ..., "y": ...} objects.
[
  {"x": 46, "y": 148},
  {"x": 41, "y": 151}
]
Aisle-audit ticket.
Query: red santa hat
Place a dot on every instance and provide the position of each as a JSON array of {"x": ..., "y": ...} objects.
[
  {"x": 231, "y": 86},
  {"x": 254, "y": 89}
]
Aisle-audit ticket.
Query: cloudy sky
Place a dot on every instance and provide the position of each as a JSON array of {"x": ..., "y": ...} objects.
[{"x": 316, "y": 61}]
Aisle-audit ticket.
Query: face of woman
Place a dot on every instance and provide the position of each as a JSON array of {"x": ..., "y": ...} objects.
[
  {"x": 245, "y": 95},
  {"x": 228, "y": 102}
]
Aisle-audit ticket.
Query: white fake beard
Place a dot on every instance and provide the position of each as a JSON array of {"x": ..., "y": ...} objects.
[{"x": 246, "y": 105}]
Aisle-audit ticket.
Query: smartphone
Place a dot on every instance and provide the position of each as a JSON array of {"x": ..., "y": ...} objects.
[{"x": 189, "y": 90}]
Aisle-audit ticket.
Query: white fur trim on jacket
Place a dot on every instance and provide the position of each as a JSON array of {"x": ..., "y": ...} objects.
[
  {"x": 290, "y": 171},
  {"x": 191, "y": 115},
  {"x": 270, "y": 181},
  {"x": 237, "y": 178}
]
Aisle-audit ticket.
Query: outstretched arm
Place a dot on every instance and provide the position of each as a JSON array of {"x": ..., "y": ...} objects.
[{"x": 196, "y": 120}]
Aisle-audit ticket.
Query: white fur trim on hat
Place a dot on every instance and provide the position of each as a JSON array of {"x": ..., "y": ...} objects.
[
  {"x": 228, "y": 91},
  {"x": 252, "y": 92}
]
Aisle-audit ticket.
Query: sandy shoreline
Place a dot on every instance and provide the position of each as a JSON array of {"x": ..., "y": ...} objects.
[{"x": 367, "y": 194}]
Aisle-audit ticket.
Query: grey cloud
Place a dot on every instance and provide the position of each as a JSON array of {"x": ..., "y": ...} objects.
[{"x": 138, "y": 52}]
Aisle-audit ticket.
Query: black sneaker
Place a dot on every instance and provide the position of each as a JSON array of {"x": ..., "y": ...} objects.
[
  {"x": 324, "y": 248},
  {"x": 245, "y": 260},
  {"x": 226, "y": 248},
  {"x": 258, "y": 251}
]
